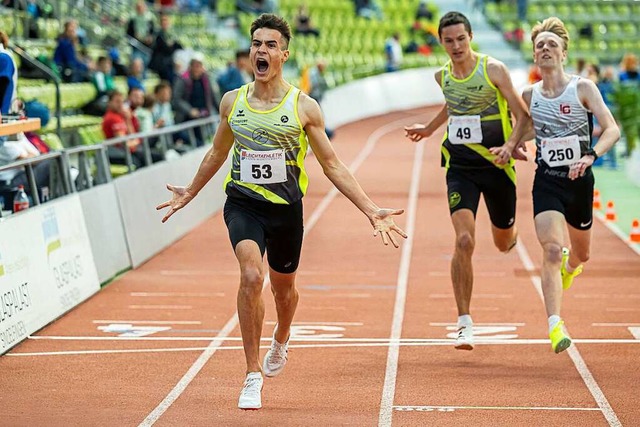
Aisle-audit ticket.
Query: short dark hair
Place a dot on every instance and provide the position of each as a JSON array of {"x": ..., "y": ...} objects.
[
  {"x": 453, "y": 18},
  {"x": 274, "y": 22},
  {"x": 162, "y": 85}
]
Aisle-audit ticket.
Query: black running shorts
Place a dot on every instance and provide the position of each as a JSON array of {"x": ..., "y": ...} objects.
[
  {"x": 553, "y": 191},
  {"x": 275, "y": 228},
  {"x": 464, "y": 187}
]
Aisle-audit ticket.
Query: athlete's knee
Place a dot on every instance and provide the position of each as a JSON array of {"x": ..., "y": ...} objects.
[
  {"x": 552, "y": 252},
  {"x": 465, "y": 243},
  {"x": 284, "y": 295},
  {"x": 251, "y": 279}
]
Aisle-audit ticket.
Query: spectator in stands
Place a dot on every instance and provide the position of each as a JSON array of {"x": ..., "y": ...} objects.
[
  {"x": 393, "y": 53},
  {"x": 164, "y": 47},
  {"x": 162, "y": 110},
  {"x": 141, "y": 28},
  {"x": 118, "y": 121},
  {"x": 136, "y": 74},
  {"x": 629, "y": 68},
  {"x": 119, "y": 69},
  {"x": 369, "y": 9},
  {"x": 423, "y": 11},
  {"x": 627, "y": 96},
  {"x": 257, "y": 6},
  {"x": 12, "y": 151},
  {"x": 236, "y": 74},
  {"x": 8, "y": 75},
  {"x": 145, "y": 115},
  {"x": 102, "y": 78},
  {"x": 319, "y": 86},
  {"x": 606, "y": 87},
  {"x": 71, "y": 68},
  {"x": 163, "y": 114},
  {"x": 194, "y": 95},
  {"x": 303, "y": 22}
]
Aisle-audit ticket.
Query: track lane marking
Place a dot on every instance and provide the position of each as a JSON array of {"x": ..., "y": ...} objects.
[
  {"x": 391, "y": 371},
  {"x": 573, "y": 352}
]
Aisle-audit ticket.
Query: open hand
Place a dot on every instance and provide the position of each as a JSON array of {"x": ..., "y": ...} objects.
[
  {"x": 179, "y": 199},
  {"x": 416, "y": 132},
  {"x": 382, "y": 222}
]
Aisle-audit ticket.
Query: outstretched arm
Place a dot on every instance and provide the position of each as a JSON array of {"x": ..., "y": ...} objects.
[
  {"x": 592, "y": 100},
  {"x": 523, "y": 129},
  {"x": 417, "y": 131},
  {"x": 340, "y": 176},
  {"x": 213, "y": 160}
]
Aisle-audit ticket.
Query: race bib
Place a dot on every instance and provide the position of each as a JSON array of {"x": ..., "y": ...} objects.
[
  {"x": 465, "y": 130},
  {"x": 262, "y": 167},
  {"x": 560, "y": 151}
]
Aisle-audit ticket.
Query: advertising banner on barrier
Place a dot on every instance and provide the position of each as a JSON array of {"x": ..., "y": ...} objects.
[{"x": 46, "y": 267}]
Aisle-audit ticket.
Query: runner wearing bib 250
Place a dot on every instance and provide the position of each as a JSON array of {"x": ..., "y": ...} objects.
[{"x": 563, "y": 135}]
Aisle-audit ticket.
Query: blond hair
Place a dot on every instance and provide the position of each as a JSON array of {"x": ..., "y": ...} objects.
[
  {"x": 552, "y": 25},
  {"x": 629, "y": 62}
]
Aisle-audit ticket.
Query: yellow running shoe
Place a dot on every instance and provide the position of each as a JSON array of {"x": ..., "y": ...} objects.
[
  {"x": 567, "y": 278},
  {"x": 560, "y": 340}
]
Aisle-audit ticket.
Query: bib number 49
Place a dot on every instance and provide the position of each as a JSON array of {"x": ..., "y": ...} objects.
[{"x": 464, "y": 133}]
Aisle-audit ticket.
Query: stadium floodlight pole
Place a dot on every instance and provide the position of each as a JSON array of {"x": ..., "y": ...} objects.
[{"x": 49, "y": 72}]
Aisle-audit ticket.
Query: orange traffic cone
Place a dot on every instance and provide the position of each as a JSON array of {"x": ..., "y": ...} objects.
[
  {"x": 596, "y": 199},
  {"x": 634, "y": 236},
  {"x": 610, "y": 214}
]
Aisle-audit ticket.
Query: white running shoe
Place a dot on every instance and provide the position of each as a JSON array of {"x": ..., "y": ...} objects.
[
  {"x": 251, "y": 394},
  {"x": 276, "y": 358},
  {"x": 464, "y": 340}
]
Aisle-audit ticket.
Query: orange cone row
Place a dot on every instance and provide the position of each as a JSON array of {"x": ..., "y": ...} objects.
[
  {"x": 610, "y": 215},
  {"x": 596, "y": 199}
]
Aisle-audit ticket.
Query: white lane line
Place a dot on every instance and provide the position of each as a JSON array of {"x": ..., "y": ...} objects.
[
  {"x": 616, "y": 230},
  {"x": 479, "y": 296},
  {"x": 477, "y": 324},
  {"x": 160, "y": 307},
  {"x": 273, "y": 322},
  {"x": 616, "y": 324},
  {"x": 233, "y": 321},
  {"x": 479, "y": 339},
  {"x": 499, "y": 408},
  {"x": 191, "y": 373},
  {"x": 573, "y": 352},
  {"x": 198, "y": 272},
  {"x": 319, "y": 344},
  {"x": 389, "y": 389},
  {"x": 153, "y": 322},
  {"x": 177, "y": 294}
]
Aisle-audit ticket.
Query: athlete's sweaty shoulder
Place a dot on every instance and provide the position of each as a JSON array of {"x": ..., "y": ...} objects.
[
  {"x": 308, "y": 110},
  {"x": 588, "y": 92},
  {"x": 526, "y": 94},
  {"x": 226, "y": 104},
  {"x": 438, "y": 74},
  {"x": 497, "y": 72}
]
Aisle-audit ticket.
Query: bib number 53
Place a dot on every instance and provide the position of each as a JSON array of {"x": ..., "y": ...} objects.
[{"x": 261, "y": 171}]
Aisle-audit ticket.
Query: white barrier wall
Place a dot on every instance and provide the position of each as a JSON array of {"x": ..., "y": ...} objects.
[
  {"x": 46, "y": 267},
  {"x": 140, "y": 193},
  {"x": 381, "y": 94},
  {"x": 106, "y": 232}
]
